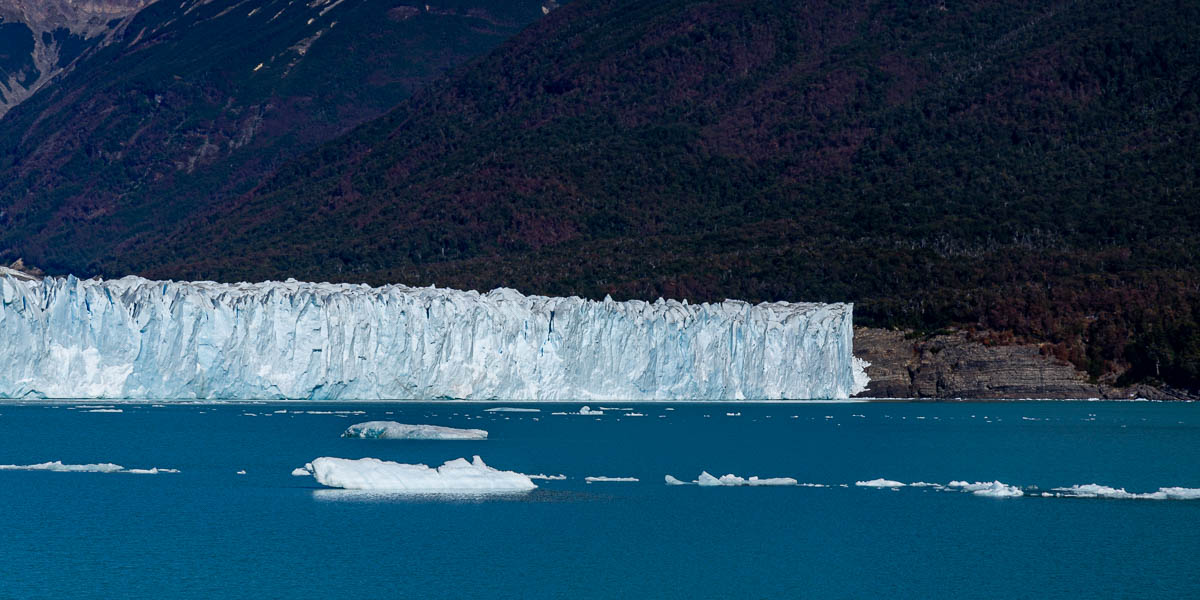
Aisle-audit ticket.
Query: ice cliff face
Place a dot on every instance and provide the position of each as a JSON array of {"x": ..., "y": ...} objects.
[{"x": 134, "y": 338}]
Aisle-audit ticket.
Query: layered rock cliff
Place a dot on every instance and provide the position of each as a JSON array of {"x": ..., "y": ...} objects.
[{"x": 952, "y": 365}]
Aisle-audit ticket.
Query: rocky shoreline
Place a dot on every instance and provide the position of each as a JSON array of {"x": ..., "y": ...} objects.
[{"x": 953, "y": 366}]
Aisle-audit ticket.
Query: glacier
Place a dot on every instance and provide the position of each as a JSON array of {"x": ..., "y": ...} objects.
[{"x": 134, "y": 338}]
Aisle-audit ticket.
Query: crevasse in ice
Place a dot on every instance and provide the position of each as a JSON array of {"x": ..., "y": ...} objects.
[{"x": 136, "y": 338}]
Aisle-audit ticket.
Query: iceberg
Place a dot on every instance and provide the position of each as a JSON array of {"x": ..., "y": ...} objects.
[
  {"x": 391, "y": 430},
  {"x": 456, "y": 475},
  {"x": 1093, "y": 490},
  {"x": 880, "y": 483},
  {"x": 58, "y": 467},
  {"x": 134, "y": 338},
  {"x": 602, "y": 479},
  {"x": 707, "y": 480},
  {"x": 993, "y": 489}
]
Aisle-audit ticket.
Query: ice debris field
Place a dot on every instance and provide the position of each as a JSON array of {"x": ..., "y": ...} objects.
[
  {"x": 133, "y": 338},
  {"x": 475, "y": 476}
]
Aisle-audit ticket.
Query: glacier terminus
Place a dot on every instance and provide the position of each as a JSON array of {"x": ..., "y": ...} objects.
[{"x": 134, "y": 338}]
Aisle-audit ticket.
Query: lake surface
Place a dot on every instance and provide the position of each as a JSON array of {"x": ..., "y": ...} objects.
[{"x": 208, "y": 531}]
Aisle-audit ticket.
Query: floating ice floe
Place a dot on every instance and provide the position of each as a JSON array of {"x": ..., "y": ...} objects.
[
  {"x": 1093, "y": 490},
  {"x": 992, "y": 489},
  {"x": 242, "y": 472},
  {"x": 391, "y": 430},
  {"x": 304, "y": 471},
  {"x": 543, "y": 476},
  {"x": 136, "y": 338},
  {"x": 634, "y": 414},
  {"x": 105, "y": 410},
  {"x": 511, "y": 409},
  {"x": 58, "y": 467},
  {"x": 880, "y": 483},
  {"x": 730, "y": 480},
  {"x": 456, "y": 475},
  {"x": 587, "y": 410},
  {"x": 602, "y": 479}
]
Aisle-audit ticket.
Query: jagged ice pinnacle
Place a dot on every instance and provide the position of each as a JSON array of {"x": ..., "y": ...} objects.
[{"x": 135, "y": 338}]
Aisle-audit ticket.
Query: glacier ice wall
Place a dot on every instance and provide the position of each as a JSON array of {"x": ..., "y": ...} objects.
[{"x": 135, "y": 338}]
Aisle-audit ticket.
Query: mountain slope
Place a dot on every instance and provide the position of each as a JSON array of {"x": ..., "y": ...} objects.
[
  {"x": 40, "y": 39},
  {"x": 198, "y": 100},
  {"x": 1021, "y": 168}
]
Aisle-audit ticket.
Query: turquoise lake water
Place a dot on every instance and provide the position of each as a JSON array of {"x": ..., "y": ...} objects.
[{"x": 209, "y": 532}]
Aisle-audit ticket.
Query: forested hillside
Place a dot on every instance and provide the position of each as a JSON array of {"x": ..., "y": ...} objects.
[
  {"x": 189, "y": 103},
  {"x": 1024, "y": 169}
]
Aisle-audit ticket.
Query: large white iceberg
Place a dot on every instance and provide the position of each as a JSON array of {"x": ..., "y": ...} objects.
[
  {"x": 454, "y": 476},
  {"x": 135, "y": 338},
  {"x": 391, "y": 430}
]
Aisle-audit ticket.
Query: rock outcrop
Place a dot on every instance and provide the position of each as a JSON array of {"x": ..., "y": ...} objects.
[
  {"x": 58, "y": 31},
  {"x": 953, "y": 365}
]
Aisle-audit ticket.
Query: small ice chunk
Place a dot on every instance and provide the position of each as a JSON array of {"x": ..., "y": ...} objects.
[
  {"x": 1179, "y": 493},
  {"x": 301, "y": 472},
  {"x": 671, "y": 480},
  {"x": 559, "y": 477},
  {"x": 1093, "y": 490},
  {"x": 587, "y": 410},
  {"x": 456, "y": 475},
  {"x": 879, "y": 483},
  {"x": 242, "y": 472},
  {"x": 391, "y": 430},
  {"x": 511, "y": 409},
  {"x": 754, "y": 480},
  {"x": 58, "y": 467},
  {"x": 731, "y": 480},
  {"x": 105, "y": 410},
  {"x": 634, "y": 414},
  {"x": 601, "y": 478},
  {"x": 992, "y": 489}
]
